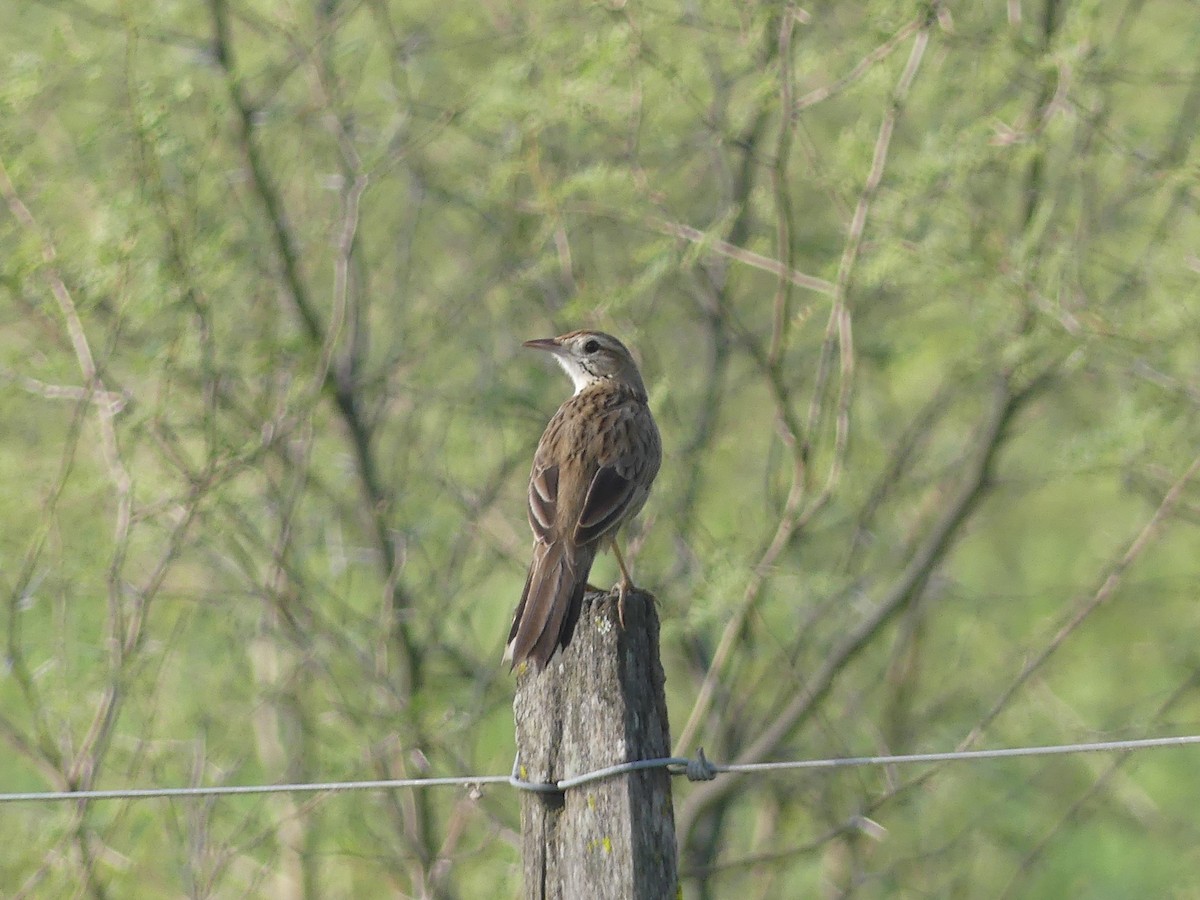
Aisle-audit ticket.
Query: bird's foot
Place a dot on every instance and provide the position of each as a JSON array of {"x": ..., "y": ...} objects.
[{"x": 623, "y": 589}]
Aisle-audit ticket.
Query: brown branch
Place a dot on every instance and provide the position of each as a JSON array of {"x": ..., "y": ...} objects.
[
  {"x": 740, "y": 254},
  {"x": 46, "y": 737},
  {"x": 342, "y": 389},
  {"x": 973, "y": 487},
  {"x": 87, "y": 759},
  {"x": 783, "y": 201},
  {"x": 813, "y": 97},
  {"x": 105, "y": 412},
  {"x": 795, "y": 512},
  {"x": 837, "y": 331},
  {"x": 1167, "y": 507}
]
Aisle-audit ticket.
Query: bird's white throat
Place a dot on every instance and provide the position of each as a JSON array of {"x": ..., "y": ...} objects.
[{"x": 575, "y": 372}]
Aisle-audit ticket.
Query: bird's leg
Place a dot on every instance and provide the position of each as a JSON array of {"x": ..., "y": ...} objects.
[{"x": 623, "y": 586}]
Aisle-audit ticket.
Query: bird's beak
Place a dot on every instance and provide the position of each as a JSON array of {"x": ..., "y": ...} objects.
[{"x": 550, "y": 345}]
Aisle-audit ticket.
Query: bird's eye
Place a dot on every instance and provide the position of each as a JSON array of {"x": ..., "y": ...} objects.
[{"x": 591, "y": 346}]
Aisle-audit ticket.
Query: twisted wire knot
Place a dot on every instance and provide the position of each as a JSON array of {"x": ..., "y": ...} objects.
[{"x": 700, "y": 769}]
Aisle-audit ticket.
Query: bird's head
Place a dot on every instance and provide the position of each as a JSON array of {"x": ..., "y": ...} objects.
[{"x": 590, "y": 357}]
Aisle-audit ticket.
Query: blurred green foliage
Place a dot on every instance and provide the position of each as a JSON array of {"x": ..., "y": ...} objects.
[{"x": 265, "y": 424}]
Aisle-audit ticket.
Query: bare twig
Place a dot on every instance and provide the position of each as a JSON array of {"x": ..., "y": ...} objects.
[
  {"x": 343, "y": 391},
  {"x": 795, "y": 512},
  {"x": 883, "y": 51},
  {"x": 740, "y": 254},
  {"x": 1006, "y": 402}
]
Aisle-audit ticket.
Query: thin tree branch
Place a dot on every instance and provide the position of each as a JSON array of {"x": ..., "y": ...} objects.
[{"x": 1007, "y": 401}]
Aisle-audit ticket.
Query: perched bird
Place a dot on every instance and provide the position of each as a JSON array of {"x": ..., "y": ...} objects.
[{"x": 591, "y": 474}]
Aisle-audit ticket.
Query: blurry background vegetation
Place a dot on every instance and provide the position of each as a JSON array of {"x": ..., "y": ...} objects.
[{"x": 915, "y": 290}]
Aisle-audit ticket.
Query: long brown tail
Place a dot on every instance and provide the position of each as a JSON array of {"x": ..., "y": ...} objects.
[{"x": 549, "y": 608}]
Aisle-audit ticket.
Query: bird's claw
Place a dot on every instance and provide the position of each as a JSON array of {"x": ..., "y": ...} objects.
[{"x": 623, "y": 589}]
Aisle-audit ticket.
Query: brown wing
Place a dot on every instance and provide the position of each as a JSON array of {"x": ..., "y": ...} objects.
[
  {"x": 543, "y": 501},
  {"x": 608, "y": 499},
  {"x": 626, "y": 469}
]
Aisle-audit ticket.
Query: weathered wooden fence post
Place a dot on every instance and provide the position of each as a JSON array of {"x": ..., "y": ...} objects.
[{"x": 598, "y": 703}]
